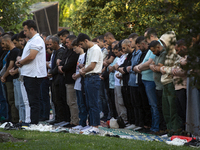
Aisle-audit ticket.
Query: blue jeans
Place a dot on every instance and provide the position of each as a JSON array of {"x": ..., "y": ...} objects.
[
  {"x": 19, "y": 103},
  {"x": 92, "y": 84},
  {"x": 82, "y": 108},
  {"x": 3, "y": 103},
  {"x": 150, "y": 88},
  {"x": 103, "y": 102},
  {"x": 44, "y": 99}
]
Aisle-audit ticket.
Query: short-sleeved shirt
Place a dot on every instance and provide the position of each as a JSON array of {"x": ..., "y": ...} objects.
[
  {"x": 94, "y": 54},
  {"x": 148, "y": 74},
  {"x": 80, "y": 61},
  {"x": 37, "y": 67},
  {"x": 12, "y": 57}
]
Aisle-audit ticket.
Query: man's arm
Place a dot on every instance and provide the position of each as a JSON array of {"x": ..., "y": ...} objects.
[
  {"x": 90, "y": 67},
  {"x": 28, "y": 59},
  {"x": 11, "y": 65},
  {"x": 145, "y": 66}
]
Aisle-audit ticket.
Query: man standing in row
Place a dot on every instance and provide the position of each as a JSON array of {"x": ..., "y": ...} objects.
[{"x": 33, "y": 64}]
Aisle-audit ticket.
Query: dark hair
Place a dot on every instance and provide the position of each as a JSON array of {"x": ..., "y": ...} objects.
[
  {"x": 120, "y": 45},
  {"x": 139, "y": 39},
  {"x": 44, "y": 34},
  {"x": 21, "y": 35},
  {"x": 10, "y": 33},
  {"x": 74, "y": 42},
  {"x": 54, "y": 39},
  {"x": 100, "y": 37},
  {"x": 71, "y": 37},
  {"x": 151, "y": 31},
  {"x": 30, "y": 24},
  {"x": 63, "y": 32},
  {"x": 94, "y": 40},
  {"x": 133, "y": 35},
  {"x": 82, "y": 37},
  {"x": 116, "y": 47},
  {"x": 181, "y": 42},
  {"x": 154, "y": 44},
  {"x": 14, "y": 37},
  {"x": 108, "y": 34},
  {"x": 1, "y": 30}
]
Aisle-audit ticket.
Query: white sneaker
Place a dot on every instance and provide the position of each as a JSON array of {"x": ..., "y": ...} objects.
[
  {"x": 137, "y": 128},
  {"x": 101, "y": 114},
  {"x": 78, "y": 127},
  {"x": 132, "y": 126},
  {"x": 59, "y": 129},
  {"x": 92, "y": 130},
  {"x": 85, "y": 130}
]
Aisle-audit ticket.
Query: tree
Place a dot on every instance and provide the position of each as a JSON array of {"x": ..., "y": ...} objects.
[{"x": 13, "y": 13}]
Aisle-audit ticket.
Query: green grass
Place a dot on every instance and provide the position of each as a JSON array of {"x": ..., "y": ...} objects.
[{"x": 58, "y": 141}]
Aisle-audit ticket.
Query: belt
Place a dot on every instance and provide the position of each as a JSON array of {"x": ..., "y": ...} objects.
[{"x": 91, "y": 74}]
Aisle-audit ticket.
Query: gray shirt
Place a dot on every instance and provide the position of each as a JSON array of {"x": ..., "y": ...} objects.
[{"x": 157, "y": 75}]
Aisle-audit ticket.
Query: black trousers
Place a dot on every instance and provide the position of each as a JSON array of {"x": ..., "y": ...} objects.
[
  {"x": 146, "y": 111},
  {"x": 32, "y": 86},
  {"x": 111, "y": 102},
  {"x": 136, "y": 102},
  {"x": 181, "y": 101},
  {"x": 162, "y": 125},
  {"x": 127, "y": 104},
  {"x": 60, "y": 104}
]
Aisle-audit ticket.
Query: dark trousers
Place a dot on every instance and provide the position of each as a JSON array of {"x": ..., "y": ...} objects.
[
  {"x": 146, "y": 111},
  {"x": 11, "y": 101},
  {"x": 45, "y": 100},
  {"x": 181, "y": 101},
  {"x": 111, "y": 102},
  {"x": 136, "y": 102},
  {"x": 59, "y": 100},
  {"x": 32, "y": 86},
  {"x": 159, "y": 102},
  {"x": 127, "y": 104}
]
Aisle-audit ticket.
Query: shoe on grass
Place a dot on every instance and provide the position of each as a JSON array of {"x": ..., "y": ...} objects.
[{"x": 132, "y": 126}]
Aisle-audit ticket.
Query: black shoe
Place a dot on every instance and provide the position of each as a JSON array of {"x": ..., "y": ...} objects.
[
  {"x": 144, "y": 130},
  {"x": 69, "y": 126},
  {"x": 193, "y": 143}
]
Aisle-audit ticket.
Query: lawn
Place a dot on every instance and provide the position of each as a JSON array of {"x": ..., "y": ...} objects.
[{"x": 46, "y": 140}]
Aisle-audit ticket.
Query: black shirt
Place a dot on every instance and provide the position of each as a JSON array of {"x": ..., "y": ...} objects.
[
  {"x": 12, "y": 57},
  {"x": 127, "y": 62}
]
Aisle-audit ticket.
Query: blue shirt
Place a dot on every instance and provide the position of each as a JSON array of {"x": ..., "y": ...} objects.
[
  {"x": 148, "y": 74},
  {"x": 134, "y": 61},
  {"x": 111, "y": 75}
]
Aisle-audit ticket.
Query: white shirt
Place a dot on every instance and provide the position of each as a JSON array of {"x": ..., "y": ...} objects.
[
  {"x": 81, "y": 59},
  {"x": 119, "y": 62},
  {"x": 37, "y": 67},
  {"x": 94, "y": 54}
]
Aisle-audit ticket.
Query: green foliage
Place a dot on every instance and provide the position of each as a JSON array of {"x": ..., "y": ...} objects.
[{"x": 12, "y": 14}]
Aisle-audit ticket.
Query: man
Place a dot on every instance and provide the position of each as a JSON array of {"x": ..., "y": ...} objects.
[
  {"x": 103, "y": 102},
  {"x": 118, "y": 98},
  {"x": 3, "y": 103},
  {"x": 155, "y": 66},
  {"x": 68, "y": 67},
  {"x": 125, "y": 88},
  {"x": 173, "y": 121},
  {"x": 148, "y": 81},
  {"x": 33, "y": 67},
  {"x": 7, "y": 44},
  {"x": 91, "y": 71},
  {"x": 19, "y": 103},
  {"x": 135, "y": 97},
  {"x": 63, "y": 34}
]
